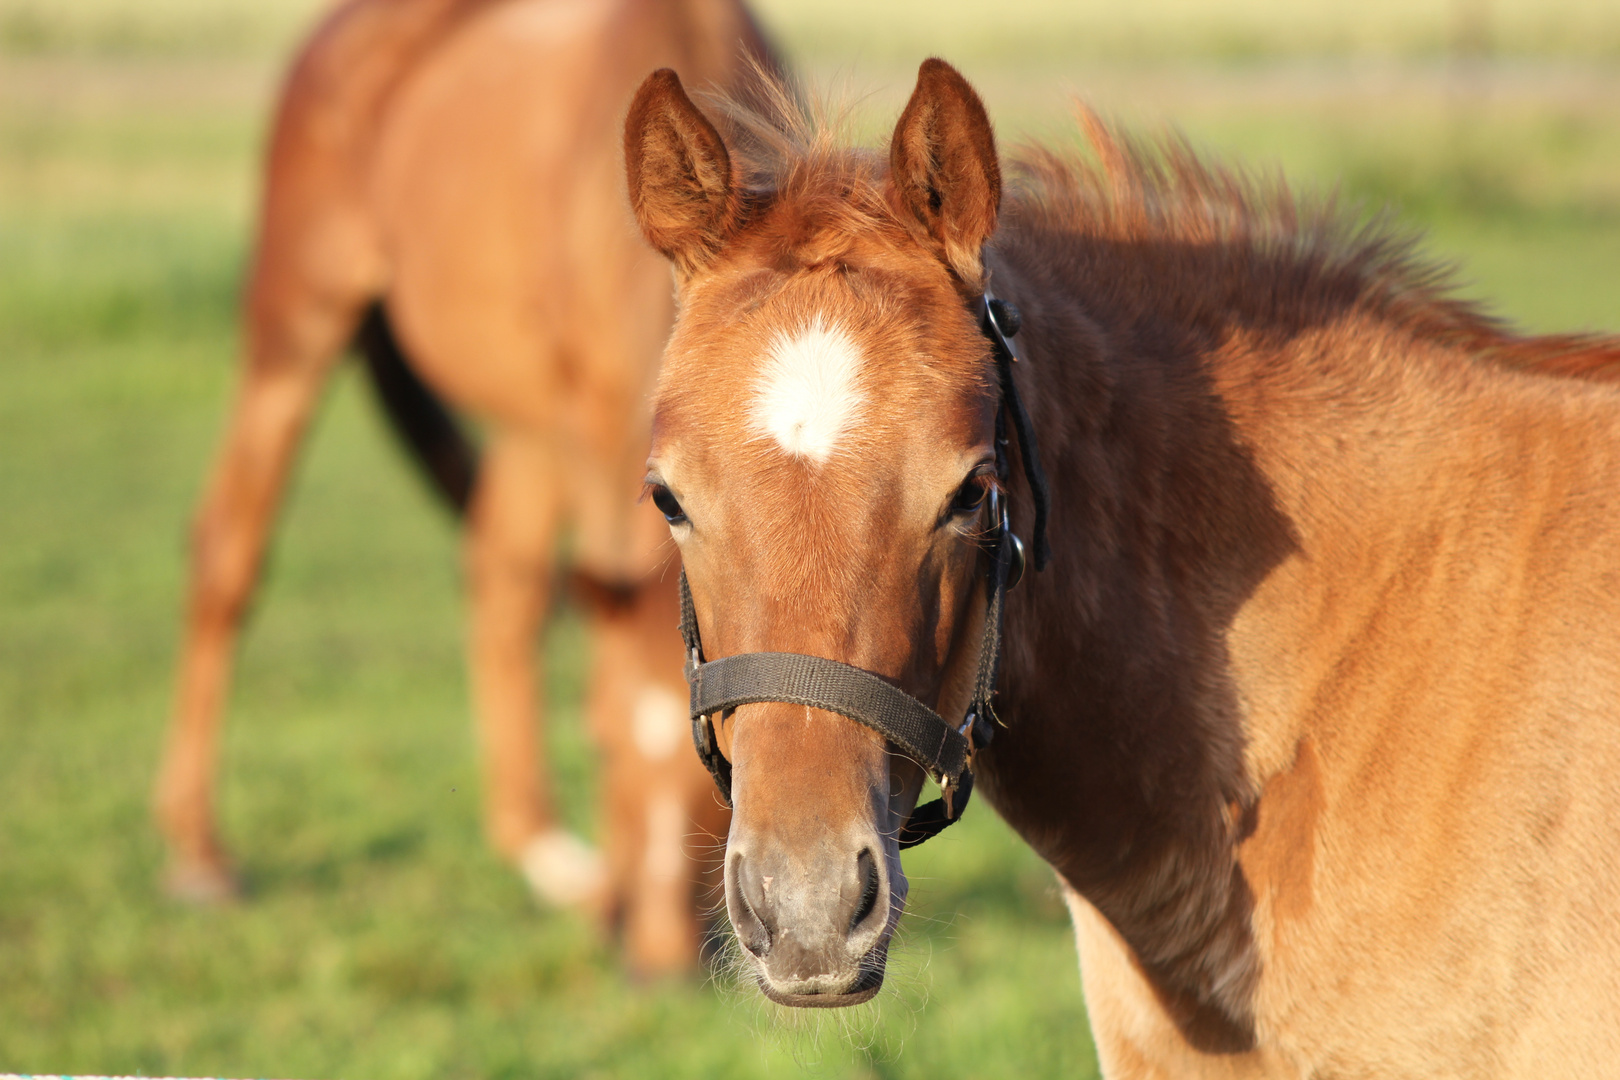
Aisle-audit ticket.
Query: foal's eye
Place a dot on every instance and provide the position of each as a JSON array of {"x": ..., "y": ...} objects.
[
  {"x": 970, "y": 496},
  {"x": 667, "y": 505}
]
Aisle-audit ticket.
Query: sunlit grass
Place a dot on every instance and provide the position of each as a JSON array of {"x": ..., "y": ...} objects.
[
  {"x": 1236, "y": 32},
  {"x": 152, "y": 27}
]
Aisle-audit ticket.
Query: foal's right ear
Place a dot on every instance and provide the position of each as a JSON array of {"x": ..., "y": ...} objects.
[
  {"x": 942, "y": 161},
  {"x": 681, "y": 186}
]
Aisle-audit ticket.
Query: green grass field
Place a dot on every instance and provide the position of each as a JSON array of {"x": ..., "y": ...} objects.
[{"x": 380, "y": 939}]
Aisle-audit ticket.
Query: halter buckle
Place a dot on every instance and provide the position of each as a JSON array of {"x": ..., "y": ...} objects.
[
  {"x": 998, "y": 513},
  {"x": 1015, "y": 569},
  {"x": 1003, "y": 322},
  {"x": 955, "y": 796}
]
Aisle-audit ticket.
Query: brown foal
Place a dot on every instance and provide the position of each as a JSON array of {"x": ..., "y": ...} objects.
[
  {"x": 456, "y": 163},
  {"x": 1316, "y": 710}
]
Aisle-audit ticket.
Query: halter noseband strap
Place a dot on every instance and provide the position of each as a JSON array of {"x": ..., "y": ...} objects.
[{"x": 943, "y": 749}]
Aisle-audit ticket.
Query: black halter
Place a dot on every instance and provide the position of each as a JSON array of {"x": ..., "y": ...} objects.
[{"x": 944, "y": 750}]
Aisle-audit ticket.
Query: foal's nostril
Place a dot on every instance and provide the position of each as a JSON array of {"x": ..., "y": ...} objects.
[
  {"x": 866, "y": 872},
  {"x": 747, "y": 908}
]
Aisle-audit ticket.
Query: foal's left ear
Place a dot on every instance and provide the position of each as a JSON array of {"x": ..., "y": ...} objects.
[
  {"x": 679, "y": 172},
  {"x": 943, "y": 165}
]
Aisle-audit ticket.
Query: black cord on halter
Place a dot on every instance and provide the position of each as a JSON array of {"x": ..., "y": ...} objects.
[{"x": 1000, "y": 321}]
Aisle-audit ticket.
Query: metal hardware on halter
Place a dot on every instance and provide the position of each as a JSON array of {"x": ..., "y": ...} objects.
[
  {"x": 1015, "y": 572},
  {"x": 945, "y": 752},
  {"x": 998, "y": 515},
  {"x": 1006, "y": 319}
]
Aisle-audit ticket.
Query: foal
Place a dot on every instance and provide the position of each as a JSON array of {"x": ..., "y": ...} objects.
[
  {"x": 452, "y": 165},
  {"x": 1314, "y": 711}
]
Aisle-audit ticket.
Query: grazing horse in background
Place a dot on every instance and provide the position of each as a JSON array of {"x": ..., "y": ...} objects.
[
  {"x": 1315, "y": 710},
  {"x": 443, "y": 185}
]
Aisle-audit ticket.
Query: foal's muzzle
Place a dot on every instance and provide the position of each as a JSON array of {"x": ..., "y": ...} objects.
[{"x": 816, "y": 924}]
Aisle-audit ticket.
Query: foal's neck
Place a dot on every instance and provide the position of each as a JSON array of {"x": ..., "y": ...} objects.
[
  {"x": 1193, "y": 460},
  {"x": 1123, "y": 758}
]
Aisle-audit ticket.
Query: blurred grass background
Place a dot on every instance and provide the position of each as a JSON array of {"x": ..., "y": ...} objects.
[{"x": 381, "y": 939}]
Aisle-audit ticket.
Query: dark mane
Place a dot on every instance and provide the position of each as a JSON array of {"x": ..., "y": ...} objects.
[
  {"x": 1164, "y": 193},
  {"x": 1122, "y": 192}
]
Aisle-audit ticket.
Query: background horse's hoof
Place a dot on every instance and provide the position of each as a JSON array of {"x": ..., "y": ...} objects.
[
  {"x": 562, "y": 869},
  {"x": 194, "y": 882}
]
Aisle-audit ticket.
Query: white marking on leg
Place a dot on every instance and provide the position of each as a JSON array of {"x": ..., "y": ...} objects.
[
  {"x": 807, "y": 395},
  {"x": 658, "y": 722},
  {"x": 664, "y": 858},
  {"x": 562, "y": 869}
]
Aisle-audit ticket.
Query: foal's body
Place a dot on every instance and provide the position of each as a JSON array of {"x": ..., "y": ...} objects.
[
  {"x": 1377, "y": 578},
  {"x": 1315, "y": 709},
  {"x": 455, "y": 161}
]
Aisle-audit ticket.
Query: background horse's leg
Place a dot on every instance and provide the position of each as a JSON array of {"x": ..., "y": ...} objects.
[
  {"x": 639, "y": 722},
  {"x": 511, "y": 541},
  {"x": 280, "y": 384},
  {"x": 662, "y": 820}
]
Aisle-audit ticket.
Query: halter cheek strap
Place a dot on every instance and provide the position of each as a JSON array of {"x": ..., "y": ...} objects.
[{"x": 943, "y": 749}]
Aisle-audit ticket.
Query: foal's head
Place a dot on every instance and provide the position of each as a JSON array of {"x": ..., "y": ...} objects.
[{"x": 823, "y": 449}]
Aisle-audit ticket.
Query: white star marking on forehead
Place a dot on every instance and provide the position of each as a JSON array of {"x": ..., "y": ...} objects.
[{"x": 807, "y": 395}]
